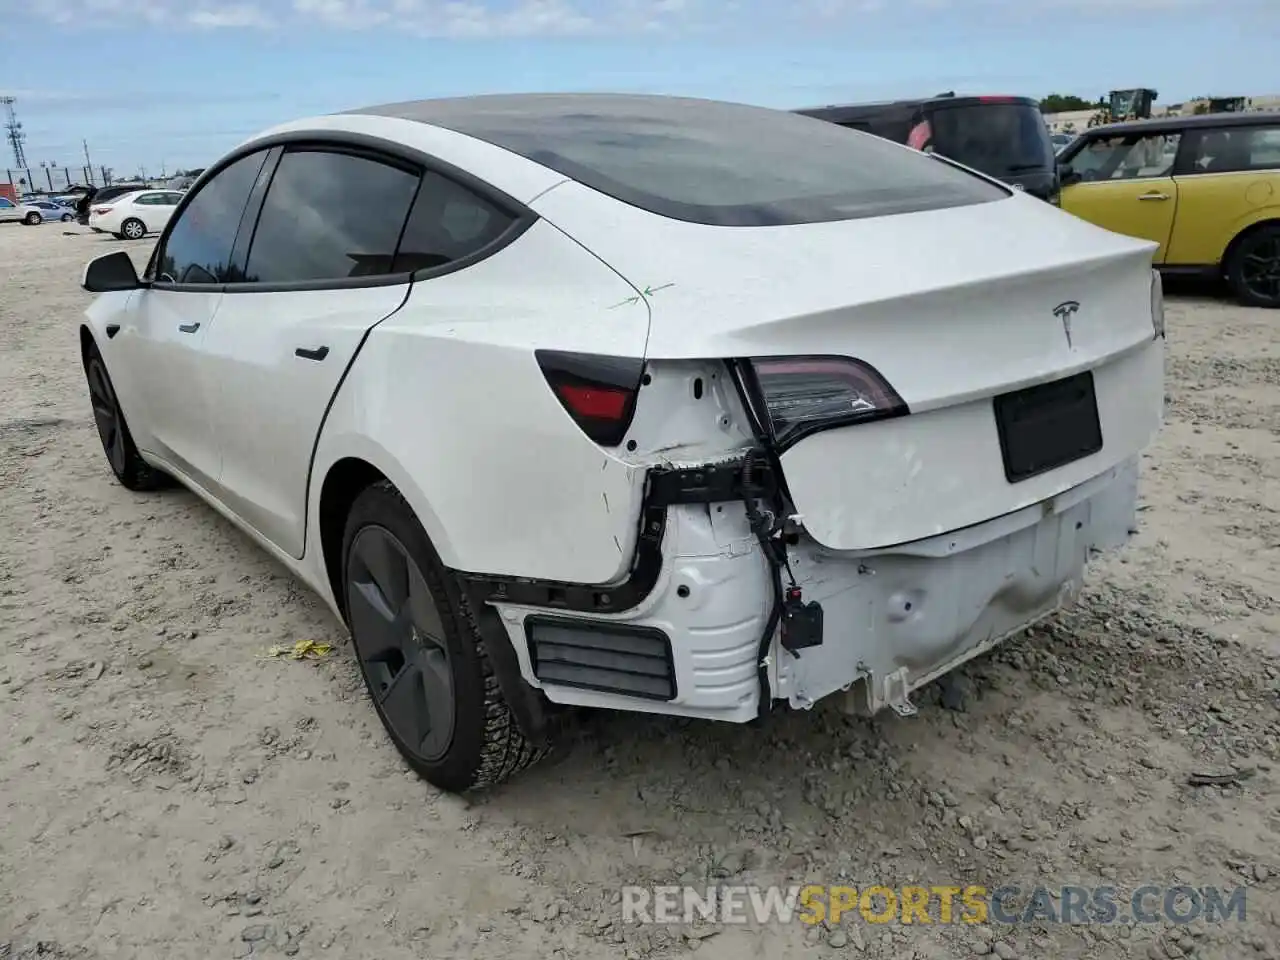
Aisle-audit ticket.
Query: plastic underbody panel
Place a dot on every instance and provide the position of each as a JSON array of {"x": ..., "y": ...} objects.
[{"x": 894, "y": 618}]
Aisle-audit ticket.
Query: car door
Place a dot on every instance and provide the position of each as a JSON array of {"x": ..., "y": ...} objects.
[
  {"x": 1126, "y": 185},
  {"x": 1228, "y": 179},
  {"x": 9, "y": 210},
  {"x": 168, "y": 319},
  {"x": 163, "y": 206},
  {"x": 316, "y": 279}
]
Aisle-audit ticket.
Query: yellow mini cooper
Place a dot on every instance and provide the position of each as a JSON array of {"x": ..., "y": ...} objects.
[{"x": 1206, "y": 188}]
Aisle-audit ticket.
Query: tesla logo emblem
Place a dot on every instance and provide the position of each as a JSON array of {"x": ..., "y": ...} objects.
[{"x": 1065, "y": 312}]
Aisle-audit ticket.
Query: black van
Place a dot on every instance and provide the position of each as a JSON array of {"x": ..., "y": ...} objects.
[{"x": 1004, "y": 137}]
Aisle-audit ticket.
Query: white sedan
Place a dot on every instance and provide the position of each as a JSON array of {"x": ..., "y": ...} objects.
[
  {"x": 133, "y": 215},
  {"x": 633, "y": 402}
]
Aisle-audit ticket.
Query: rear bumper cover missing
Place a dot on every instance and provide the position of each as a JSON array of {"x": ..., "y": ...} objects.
[{"x": 895, "y": 619}]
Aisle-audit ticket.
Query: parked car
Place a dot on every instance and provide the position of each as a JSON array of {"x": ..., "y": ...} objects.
[
  {"x": 635, "y": 402},
  {"x": 1205, "y": 188},
  {"x": 1060, "y": 141},
  {"x": 10, "y": 212},
  {"x": 1004, "y": 137},
  {"x": 37, "y": 211},
  {"x": 134, "y": 215}
]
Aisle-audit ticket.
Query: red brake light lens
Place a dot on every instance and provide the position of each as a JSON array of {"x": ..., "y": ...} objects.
[
  {"x": 598, "y": 392},
  {"x": 806, "y": 394},
  {"x": 995, "y": 99}
]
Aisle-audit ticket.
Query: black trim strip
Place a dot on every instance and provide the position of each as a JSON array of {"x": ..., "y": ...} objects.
[{"x": 665, "y": 487}]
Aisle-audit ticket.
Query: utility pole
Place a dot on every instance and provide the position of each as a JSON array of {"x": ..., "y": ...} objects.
[{"x": 13, "y": 133}]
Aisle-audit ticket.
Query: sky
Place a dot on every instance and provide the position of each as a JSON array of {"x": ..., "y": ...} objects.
[{"x": 166, "y": 84}]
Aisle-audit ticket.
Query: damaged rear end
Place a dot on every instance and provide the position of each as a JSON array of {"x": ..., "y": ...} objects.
[{"x": 871, "y": 448}]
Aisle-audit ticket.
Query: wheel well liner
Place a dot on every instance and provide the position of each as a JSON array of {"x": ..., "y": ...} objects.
[{"x": 344, "y": 482}]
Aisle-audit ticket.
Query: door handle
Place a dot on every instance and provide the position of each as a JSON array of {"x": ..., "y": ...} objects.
[
  {"x": 1154, "y": 196},
  {"x": 319, "y": 353},
  {"x": 189, "y": 327}
]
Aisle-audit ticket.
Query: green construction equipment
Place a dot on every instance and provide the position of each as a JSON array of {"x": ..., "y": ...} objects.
[{"x": 1131, "y": 104}]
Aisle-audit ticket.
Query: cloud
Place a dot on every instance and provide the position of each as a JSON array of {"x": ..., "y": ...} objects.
[{"x": 565, "y": 18}]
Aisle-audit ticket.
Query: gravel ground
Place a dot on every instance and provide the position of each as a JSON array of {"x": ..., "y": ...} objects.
[{"x": 167, "y": 792}]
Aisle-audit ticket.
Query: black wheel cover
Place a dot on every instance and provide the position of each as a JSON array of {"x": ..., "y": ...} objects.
[
  {"x": 399, "y": 640},
  {"x": 106, "y": 413},
  {"x": 1260, "y": 266}
]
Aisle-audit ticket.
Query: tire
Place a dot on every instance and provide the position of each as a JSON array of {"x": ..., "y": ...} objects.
[
  {"x": 32, "y": 219},
  {"x": 67, "y": 217},
  {"x": 132, "y": 229},
  {"x": 126, "y": 463},
  {"x": 1253, "y": 268},
  {"x": 416, "y": 640}
]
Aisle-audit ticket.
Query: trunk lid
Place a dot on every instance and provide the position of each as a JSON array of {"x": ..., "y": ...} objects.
[{"x": 953, "y": 307}]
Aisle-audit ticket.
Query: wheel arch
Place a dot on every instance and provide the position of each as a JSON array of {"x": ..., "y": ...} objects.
[
  {"x": 344, "y": 479},
  {"x": 1239, "y": 238},
  {"x": 86, "y": 342}
]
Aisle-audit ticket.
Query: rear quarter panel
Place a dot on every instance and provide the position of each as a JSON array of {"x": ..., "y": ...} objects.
[
  {"x": 1215, "y": 208},
  {"x": 447, "y": 400}
]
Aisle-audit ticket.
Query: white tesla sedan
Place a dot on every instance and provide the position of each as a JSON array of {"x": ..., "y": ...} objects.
[
  {"x": 134, "y": 215},
  {"x": 633, "y": 402}
]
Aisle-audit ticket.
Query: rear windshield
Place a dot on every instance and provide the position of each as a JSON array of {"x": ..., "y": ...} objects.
[
  {"x": 1000, "y": 139},
  {"x": 710, "y": 162}
]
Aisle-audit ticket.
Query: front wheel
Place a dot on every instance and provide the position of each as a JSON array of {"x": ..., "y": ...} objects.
[
  {"x": 67, "y": 218},
  {"x": 1253, "y": 270},
  {"x": 127, "y": 464},
  {"x": 423, "y": 660},
  {"x": 32, "y": 219},
  {"x": 133, "y": 229}
]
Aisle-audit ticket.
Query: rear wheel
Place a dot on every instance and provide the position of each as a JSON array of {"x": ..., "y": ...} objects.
[
  {"x": 423, "y": 660},
  {"x": 67, "y": 217},
  {"x": 127, "y": 464},
  {"x": 133, "y": 229},
  {"x": 32, "y": 218},
  {"x": 1253, "y": 269}
]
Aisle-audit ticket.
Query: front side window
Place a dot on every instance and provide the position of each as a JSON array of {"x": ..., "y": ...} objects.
[
  {"x": 198, "y": 249},
  {"x": 329, "y": 216},
  {"x": 4, "y": 203},
  {"x": 1127, "y": 156}
]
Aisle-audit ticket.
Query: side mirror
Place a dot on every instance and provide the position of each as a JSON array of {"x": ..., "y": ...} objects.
[
  {"x": 112, "y": 271},
  {"x": 1068, "y": 176}
]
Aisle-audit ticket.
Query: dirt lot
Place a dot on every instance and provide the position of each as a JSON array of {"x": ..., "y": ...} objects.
[{"x": 167, "y": 792}]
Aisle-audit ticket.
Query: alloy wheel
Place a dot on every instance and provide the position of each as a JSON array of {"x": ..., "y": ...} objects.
[
  {"x": 1260, "y": 268},
  {"x": 400, "y": 642},
  {"x": 106, "y": 414}
]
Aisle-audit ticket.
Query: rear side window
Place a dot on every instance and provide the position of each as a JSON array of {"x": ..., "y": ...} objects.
[
  {"x": 329, "y": 216},
  {"x": 1236, "y": 150},
  {"x": 717, "y": 163},
  {"x": 448, "y": 222},
  {"x": 198, "y": 249}
]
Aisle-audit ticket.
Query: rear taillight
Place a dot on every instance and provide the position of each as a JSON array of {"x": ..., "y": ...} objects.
[
  {"x": 101, "y": 210},
  {"x": 598, "y": 392},
  {"x": 805, "y": 394}
]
